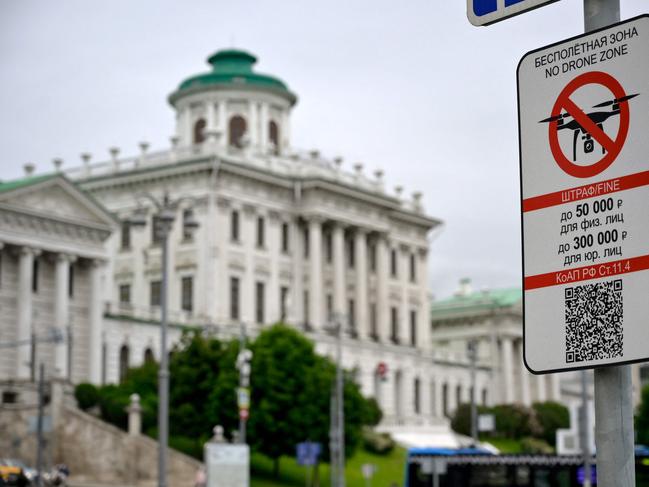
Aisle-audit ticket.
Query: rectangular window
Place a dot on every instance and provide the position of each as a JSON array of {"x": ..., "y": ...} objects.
[
  {"x": 125, "y": 294},
  {"x": 285, "y": 238},
  {"x": 306, "y": 308},
  {"x": 393, "y": 263},
  {"x": 306, "y": 242},
  {"x": 413, "y": 328},
  {"x": 35, "y": 268},
  {"x": 187, "y": 293},
  {"x": 234, "y": 298},
  {"x": 126, "y": 236},
  {"x": 156, "y": 230},
  {"x": 330, "y": 307},
  {"x": 413, "y": 268},
  {"x": 261, "y": 224},
  {"x": 260, "y": 292},
  {"x": 372, "y": 257},
  {"x": 188, "y": 232},
  {"x": 417, "y": 395},
  {"x": 283, "y": 298},
  {"x": 394, "y": 324},
  {"x": 234, "y": 226},
  {"x": 351, "y": 316},
  {"x": 155, "y": 293},
  {"x": 350, "y": 253},
  {"x": 71, "y": 281},
  {"x": 329, "y": 246},
  {"x": 0, "y": 268},
  {"x": 373, "y": 324}
]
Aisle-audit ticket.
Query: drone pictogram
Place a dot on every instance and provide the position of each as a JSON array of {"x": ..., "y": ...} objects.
[{"x": 597, "y": 117}]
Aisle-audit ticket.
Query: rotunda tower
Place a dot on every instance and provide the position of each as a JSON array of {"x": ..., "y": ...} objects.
[{"x": 232, "y": 106}]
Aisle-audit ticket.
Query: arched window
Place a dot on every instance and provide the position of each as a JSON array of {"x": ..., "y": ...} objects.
[
  {"x": 273, "y": 135},
  {"x": 237, "y": 130},
  {"x": 199, "y": 131},
  {"x": 123, "y": 362},
  {"x": 148, "y": 356}
]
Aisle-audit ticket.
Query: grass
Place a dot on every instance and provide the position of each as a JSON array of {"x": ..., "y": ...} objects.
[
  {"x": 505, "y": 445},
  {"x": 390, "y": 470}
]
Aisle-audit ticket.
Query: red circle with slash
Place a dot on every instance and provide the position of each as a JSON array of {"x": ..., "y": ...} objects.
[{"x": 564, "y": 103}]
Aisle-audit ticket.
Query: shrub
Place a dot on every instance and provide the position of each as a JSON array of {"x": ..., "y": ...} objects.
[
  {"x": 461, "y": 420},
  {"x": 551, "y": 416},
  {"x": 113, "y": 402},
  {"x": 516, "y": 421},
  {"x": 372, "y": 413},
  {"x": 536, "y": 446},
  {"x": 87, "y": 396},
  {"x": 378, "y": 443}
]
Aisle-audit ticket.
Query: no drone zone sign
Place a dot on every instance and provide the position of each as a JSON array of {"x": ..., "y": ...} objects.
[{"x": 583, "y": 107}]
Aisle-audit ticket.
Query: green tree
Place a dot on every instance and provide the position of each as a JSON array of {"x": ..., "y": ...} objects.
[{"x": 551, "y": 416}]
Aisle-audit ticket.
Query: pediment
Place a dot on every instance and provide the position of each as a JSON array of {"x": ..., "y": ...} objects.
[{"x": 59, "y": 199}]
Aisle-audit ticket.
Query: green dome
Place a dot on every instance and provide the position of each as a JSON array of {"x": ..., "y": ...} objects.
[{"x": 233, "y": 69}]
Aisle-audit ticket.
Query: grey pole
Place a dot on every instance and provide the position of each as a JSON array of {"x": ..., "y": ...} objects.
[
  {"x": 243, "y": 382},
  {"x": 39, "y": 424},
  {"x": 340, "y": 403},
  {"x": 163, "y": 373},
  {"x": 613, "y": 392},
  {"x": 585, "y": 433}
]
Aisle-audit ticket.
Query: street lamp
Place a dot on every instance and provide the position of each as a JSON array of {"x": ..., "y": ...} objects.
[
  {"x": 165, "y": 211},
  {"x": 337, "y": 428}
]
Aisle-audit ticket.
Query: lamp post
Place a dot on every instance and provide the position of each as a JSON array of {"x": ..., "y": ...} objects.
[
  {"x": 165, "y": 210},
  {"x": 337, "y": 429}
]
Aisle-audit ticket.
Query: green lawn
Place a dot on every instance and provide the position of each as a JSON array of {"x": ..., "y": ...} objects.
[
  {"x": 505, "y": 445},
  {"x": 390, "y": 470}
]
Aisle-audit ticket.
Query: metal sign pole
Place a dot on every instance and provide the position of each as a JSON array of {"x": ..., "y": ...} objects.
[{"x": 613, "y": 392}]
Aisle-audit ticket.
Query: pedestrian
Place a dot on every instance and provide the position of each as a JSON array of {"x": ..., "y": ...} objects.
[{"x": 201, "y": 479}]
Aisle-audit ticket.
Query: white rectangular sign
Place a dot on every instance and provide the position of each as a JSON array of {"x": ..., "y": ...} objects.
[
  {"x": 227, "y": 465},
  {"x": 584, "y": 154},
  {"x": 485, "y": 12}
]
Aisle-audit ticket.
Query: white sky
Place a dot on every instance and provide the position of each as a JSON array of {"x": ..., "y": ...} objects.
[{"x": 410, "y": 87}]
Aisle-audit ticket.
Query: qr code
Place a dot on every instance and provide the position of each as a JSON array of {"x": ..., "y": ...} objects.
[{"x": 594, "y": 315}]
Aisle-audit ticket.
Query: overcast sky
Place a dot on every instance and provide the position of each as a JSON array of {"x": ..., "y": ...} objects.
[{"x": 409, "y": 87}]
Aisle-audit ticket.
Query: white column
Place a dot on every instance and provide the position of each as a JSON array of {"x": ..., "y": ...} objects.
[
  {"x": 555, "y": 387},
  {"x": 253, "y": 124},
  {"x": 221, "y": 277},
  {"x": 263, "y": 136},
  {"x": 439, "y": 397},
  {"x": 285, "y": 131},
  {"x": 25, "y": 275},
  {"x": 296, "y": 308},
  {"x": 188, "y": 132},
  {"x": 339, "y": 268},
  {"x": 362, "y": 307},
  {"x": 211, "y": 116},
  {"x": 96, "y": 322},
  {"x": 526, "y": 397},
  {"x": 423, "y": 318},
  {"x": 273, "y": 244},
  {"x": 404, "y": 311},
  {"x": 223, "y": 123},
  {"x": 382, "y": 304},
  {"x": 508, "y": 369},
  {"x": 248, "y": 226},
  {"x": 315, "y": 273},
  {"x": 541, "y": 392},
  {"x": 62, "y": 312}
]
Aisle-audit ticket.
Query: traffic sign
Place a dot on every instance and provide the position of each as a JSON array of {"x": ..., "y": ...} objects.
[
  {"x": 583, "y": 109},
  {"x": 308, "y": 452},
  {"x": 485, "y": 12}
]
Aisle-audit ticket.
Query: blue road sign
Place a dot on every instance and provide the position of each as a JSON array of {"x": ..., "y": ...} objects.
[
  {"x": 308, "y": 453},
  {"x": 485, "y": 12}
]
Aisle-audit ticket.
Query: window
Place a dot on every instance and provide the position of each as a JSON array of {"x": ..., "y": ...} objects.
[
  {"x": 350, "y": 253},
  {"x": 237, "y": 131},
  {"x": 413, "y": 328},
  {"x": 9, "y": 397},
  {"x": 351, "y": 317},
  {"x": 306, "y": 309},
  {"x": 484, "y": 396},
  {"x": 148, "y": 356},
  {"x": 273, "y": 135},
  {"x": 283, "y": 298},
  {"x": 155, "y": 293},
  {"x": 394, "y": 324},
  {"x": 373, "y": 324},
  {"x": 372, "y": 257},
  {"x": 285, "y": 237},
  {"x": 306, "y": 242},
  {"x": 330, "y": 307},
  {"x": 234, "y": 226},
  {"x": 71, "y": 281},
  {"x": 393, "y": 263},
  {"x": 125, "y": 294},
  {"x": 445, "y": 399},
  {"x": 199, "y": 131},
  {"x": 329, "y": 246},
  {"x": 458, "y": 395},
  {"x": 123, "y": 362},
  {"x": 417, "y": 395},
  {"x": 188, "y": 233},
  {"x": 260, "y": 291},
  {"x": 35, "y": 267},
  {"x": 187, "y": 293},
  {"x": 234, "y": 298},
  {"x": 413, "y": 268},
  {"x": 156, "y": 230},
  {"x": 261, "y": 224},
  {"x": 126, "y": 236}
]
